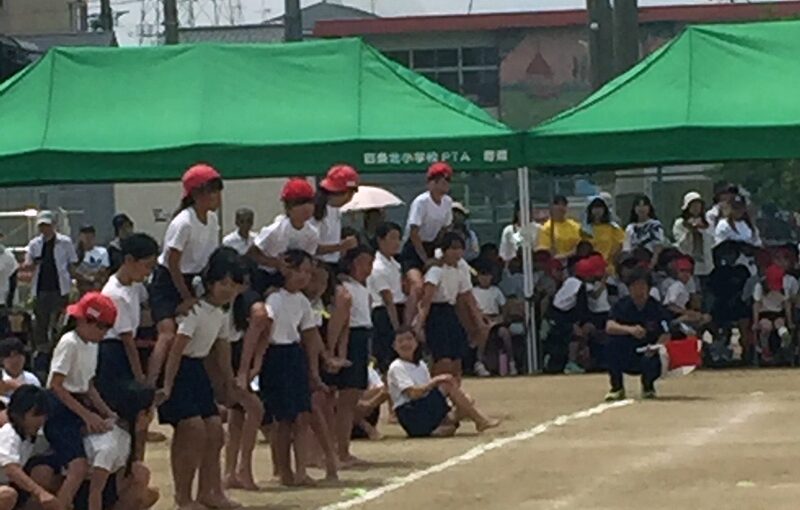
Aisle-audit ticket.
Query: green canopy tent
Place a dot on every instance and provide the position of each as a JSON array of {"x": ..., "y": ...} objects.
[
  {"x": 145, "y": 114},
  {"x": 715, "y": 93}
]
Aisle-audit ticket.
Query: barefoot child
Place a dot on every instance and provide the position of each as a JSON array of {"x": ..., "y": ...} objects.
[
  {"x": 75, "y": 403},
  {"x": 188, "y": 396},
  {"x": 191, "y": 237},
  {"x": 421, "y": 402}
]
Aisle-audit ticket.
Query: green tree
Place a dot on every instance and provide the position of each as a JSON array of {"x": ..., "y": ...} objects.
[{"x": 775, "y": 182}]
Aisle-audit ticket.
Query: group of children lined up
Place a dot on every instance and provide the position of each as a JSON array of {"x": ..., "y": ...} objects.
[{"x": 279, "y": 332}]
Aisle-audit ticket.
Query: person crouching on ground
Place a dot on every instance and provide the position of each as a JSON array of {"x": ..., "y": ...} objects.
[
  {"x": 421, "y": 402},
  {"x": 635, "y": 322}
]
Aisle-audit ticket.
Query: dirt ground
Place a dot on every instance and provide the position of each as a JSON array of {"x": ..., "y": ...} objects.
[{"x": 712, "y": 440}]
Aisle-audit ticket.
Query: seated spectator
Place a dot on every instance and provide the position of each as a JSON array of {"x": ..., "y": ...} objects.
[
  {"x": 627, "y": 264},
  {"x": 368, "y": 410},
  {"x": 421, "y": 402},
  {"x": 512, "y": 283},
  {"x": 635, "y": 322},
  {"x": 582, "y": 250},
  {"x": 559, "y": 235},
  {"x": 644, "y": 229},
  {"x": 491, "y": 303},
  {"x": 13, "y": 356},
  {"x": 772, "y": 312},
  {"x": 490, "y": 252},
  {"x": 678, "y": 295},
  {"x": 600, "y": 228}
]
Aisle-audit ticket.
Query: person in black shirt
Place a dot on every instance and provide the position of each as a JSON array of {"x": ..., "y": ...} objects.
[{"x": 635, "y": 322}]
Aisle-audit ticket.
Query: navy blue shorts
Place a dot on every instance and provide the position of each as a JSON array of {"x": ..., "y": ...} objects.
[
  {"x": 419, "y": 418},
  {"x": 192, "y": 394},
  {"x": 63, "y": 431},
  {"x": 164, "y": 296},
  {"x": 444, "y": 334},
  {"x": 283, "y": 382},
  {"x": 114, "y": 373},
  {"x": 409, "y": 258},
  {"x": 355, "y": 376},
  {"x": 383, "y": 337}
]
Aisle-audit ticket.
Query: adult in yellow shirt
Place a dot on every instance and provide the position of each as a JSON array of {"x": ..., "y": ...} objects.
[
  {"x": 604, "y": 233},
  {"x": 559, "y": 235}
]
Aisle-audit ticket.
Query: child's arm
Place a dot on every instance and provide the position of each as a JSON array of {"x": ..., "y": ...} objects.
[
  {"x": 255, "y": 343},
  {"x": 17, "y": 475},
  {"x": 97, "y": 483},
  {"x": 129, "y": 342},
  {"x": 93, "y": 421},
  {"x": 221, "y": 356},
  {"x": 417, "y": 392},
  {"x": 428, "y": 291},
  {"x": 315, "y": 350},
  {"x": 173, "y": 363},
  {"x": 756, "y": 312},
  {"x": 337, "y": 325},
  {"x": 388, "y": 302},
  {"x": 100, "y": 404}
]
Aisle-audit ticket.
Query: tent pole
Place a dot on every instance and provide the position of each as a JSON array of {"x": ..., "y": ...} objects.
[{"x": 527, "y": 267}]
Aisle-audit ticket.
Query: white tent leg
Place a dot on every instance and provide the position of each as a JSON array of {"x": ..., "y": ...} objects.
[{"x": 527, "y": 267}]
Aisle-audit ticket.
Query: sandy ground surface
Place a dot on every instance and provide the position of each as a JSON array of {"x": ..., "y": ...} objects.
[{"x": 713, "y": 440}]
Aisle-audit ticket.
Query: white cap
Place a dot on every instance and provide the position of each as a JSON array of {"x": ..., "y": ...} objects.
[
  {"x": 44, "y": 218},
  {"x": 458, "y": 206},
  {"x": 689, "y": 198}
]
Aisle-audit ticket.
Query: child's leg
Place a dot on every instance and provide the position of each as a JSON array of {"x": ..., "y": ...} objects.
[
  {"x": 97, "y": 483},
  {"x": 465, "y": 406},
  {"x": 8, "y": 498},
  {"x": 414, "y": 283},
  {"x": 134, "y": 490},
  {"x": 166, "y": 334},
  {"x": 320, "y": 427},
  {"x": 281, "y": 452},
  {"x": 765, "y": 329},
  {"x": 302, "y": 437},
  {"x": 186, "y": 454},
  {"x": 254, "y": 414},
  {"x": 370, "y": 400},
  {"x": 345, "y": 412},
  {"x": 209, "y": 487},
  {"x": 77, "y": 470},
  {"x": 232, "y": 447}
]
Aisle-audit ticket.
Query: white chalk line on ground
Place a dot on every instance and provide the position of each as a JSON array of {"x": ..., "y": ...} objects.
[{"x": 474, "y": 453}]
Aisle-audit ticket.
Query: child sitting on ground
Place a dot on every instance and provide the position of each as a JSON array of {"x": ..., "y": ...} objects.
[
  {"x": 491, "y": 303},
  {"x": 421, "y": 402},
  {"x": 368, "y": 410},
  {"x": 678, "y": 295},
  {"x": 772, "y": 312}
]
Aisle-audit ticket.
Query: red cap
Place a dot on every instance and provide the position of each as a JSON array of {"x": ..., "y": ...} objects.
[
  {"x": 684, "y": 264},
  {"x": 593, "y": 266},
  {"x": 440, "y": 169},
  {"x": 774, "y": 277},
  {"x": 197, "y": 176},
  {"x": 340, "y": 178},
  {"x": 297, "y": 189},
  {"x": 94, "y": 306}
]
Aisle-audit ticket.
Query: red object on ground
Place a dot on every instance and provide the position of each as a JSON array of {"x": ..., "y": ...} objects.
[{"x": 684, "y": 353}]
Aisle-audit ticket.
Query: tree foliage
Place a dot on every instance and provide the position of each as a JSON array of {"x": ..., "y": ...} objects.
[{"x": 770, "y": 182}]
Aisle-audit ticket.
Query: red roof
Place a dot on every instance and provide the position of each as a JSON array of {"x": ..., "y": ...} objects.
[{"x": 552, "y": 19}]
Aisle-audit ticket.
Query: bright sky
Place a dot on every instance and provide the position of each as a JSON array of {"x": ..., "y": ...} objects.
[{"x": 255, "y": 11}]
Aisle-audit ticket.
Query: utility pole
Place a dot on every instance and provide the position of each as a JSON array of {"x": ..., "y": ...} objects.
[
  {"x": 170, "y": 22},
  {"x": 292, "y": 21},
  {"x": 106, "y": 16},
  {"x": 601, "y": 42},
  {"x": 626, "y": 35}
]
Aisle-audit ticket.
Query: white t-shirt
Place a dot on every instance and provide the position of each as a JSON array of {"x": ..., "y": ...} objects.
[
  {"x": 567, "y": 296},
  {"x": 743, "y": 232},
  {"x": 204, "y": 324},
  {"x": 129, "y": 299},
  {"x": 13, "y": 450},
  {"x": 8, "y": 265},
  {"x": 386, "y": 274},
  {"x": 291, "y": 314},
  {"x": 238, "y": 243},
  {"x": 490, "y": 300},
  {"x": 194, "y": 239},
  {"x": 108, "y": 450},
  {"x": 510, "y": 243},
  {"x": 95, "y": 260},
  {"x": 597, "y": 304},
  {"x": 677, "y": 294},
  {"x": 373, "y": 378},
  {"x": 429, "y": 216},
  {"x": 279, "y": 236},
  {"x": 360, "y": 309},
  {"x": 450, "y": 281},
  {"x": 772, "y": 301},
  {"x": 791, "y": 286},
  {"x": 403, "y": 375},
  {"x": 76, "y": 360},
  {"x": 24, "y": 378},
  {"x": 330, "y": 232}
]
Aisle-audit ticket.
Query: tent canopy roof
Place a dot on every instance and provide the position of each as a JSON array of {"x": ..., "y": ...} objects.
[
  {"x": 145, "y": 114},
  {"x": 715, "y": 93}
]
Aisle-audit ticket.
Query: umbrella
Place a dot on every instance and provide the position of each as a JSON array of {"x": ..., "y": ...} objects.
[{"x": 370, "y": 197}]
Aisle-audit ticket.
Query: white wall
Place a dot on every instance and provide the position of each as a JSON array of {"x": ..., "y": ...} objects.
[{"x": 151, "y": 205}]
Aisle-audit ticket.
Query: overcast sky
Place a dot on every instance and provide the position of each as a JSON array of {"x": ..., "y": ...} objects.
[{"x": 255, "y": 11}]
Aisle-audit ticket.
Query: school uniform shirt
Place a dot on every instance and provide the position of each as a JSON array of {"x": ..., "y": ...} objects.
[
  {"x": 677, "y": 294},
  {"x": 24, "y": 378},
  {"x": 490, "y": 300},
  {"x": 204, "y": 324},
  {"x": 599, "y": 303},
  {"x": 450, "y": 281},
  {"x": 76, "y": 360},
  {"x": 14, "y": 449},
  {"x": 653, "y": 317},
  {"x": 649, "y": 235},
  {"x": 403, "y": 375},
  {"x": 291, "y": 314},
  {"x": 567, "y": 295},
  {"x": 429, "y": 216},
  {"x": 129, "y": 299},
  {"x": 8, "y": 266},
  {"x": 108, "y": 450},
  {"x": 194, "y": 239},
  {"x": 771, "y": 301},
  {"x": 739, "y": 231},
  {"x": 567, "y": 235},
  {"x": 387, "y": 274},
  {"x": 279, "y": 236},
  {"x": 239, "y": 243},
  {"x": 330, "y": 232},
  {"x": 360, "y": 309},
  {"x": 54, "y": 258}
]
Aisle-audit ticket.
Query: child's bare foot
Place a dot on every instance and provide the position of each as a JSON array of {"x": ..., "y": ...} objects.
[
  {"x": 351, "y": 461},
  {"x": 189, "y": 505},
  {"x": 447, "y": 430},
  {"x": 150, "y": 498},
  {"x": 488, "y": 424},
  {"x": 247, "y": 482},
  {"x": 155, "y": 437},
  {"x": 304, "y": 481},
  {"x": 287, "y": 480},
  {"x": 374, "y": 435},
  {"x": 231, "y": 482},
  {"x": 218, "y": 501}
]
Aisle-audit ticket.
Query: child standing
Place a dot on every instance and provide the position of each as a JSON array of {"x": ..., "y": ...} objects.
[
  {"x": 444, "y": 333},
  {"x": 75, "y": 403},
  {"x": 191, "y": 237},
  {"x": 772, "y": 311},
  {"x": 491, "y": 302},
  {"x": 13, "y": 355},
  {"x": 421, "y": 401},
  {"x": 27, "y": 412},
  {"x": 188, "y": 396},
  {"x": 335, "y": 190}
]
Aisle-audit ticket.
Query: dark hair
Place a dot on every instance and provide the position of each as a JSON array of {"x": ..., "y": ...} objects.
[
  {"x": 639, "y": 274},
  {"x": 606, "y": 214},
  {"x": 642, "y": 199},
  {"x": 741, "y": 200},
  {"x": 408, "y": 330},
  {"x": 245, "y": 212},
  {"x": 87, "y": 229},
  {"x": 321, "y": 199},
  {"x": 385, "y": 228},
  {"x": 224, "y": 262},
  {"x": 25, "y": 399},
  {"x": 449, "y": 239},
  {"x": 560, "y": 200},
  {"x": 485, "y": 267},
  {"x": 346, "y": 264},
  {"x": 685, "y": 214},
  {"x": 139, "y": 246},
  {"x": 11, "y": 345},
  {"x": 485, "y": 248},
  {"x": 188, "y": 201},
  {"x": 295, "y": 258},
  {"x": 517, "y": 212},
  {"x": 132, "y": 399},
  {"x": 722, "y": 187},
  {"x": 119, "y": 221},
  {"x": 288, "y": 204}
]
